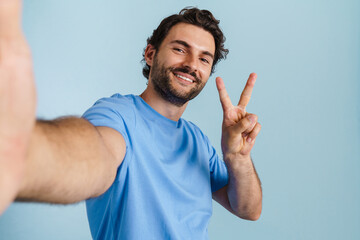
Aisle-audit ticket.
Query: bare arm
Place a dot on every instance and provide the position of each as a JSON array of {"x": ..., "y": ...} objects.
[
  {"x": 243, "y": 195},
  {"x": 70, "y": 160},
  {"x": 244, "y": 200}
]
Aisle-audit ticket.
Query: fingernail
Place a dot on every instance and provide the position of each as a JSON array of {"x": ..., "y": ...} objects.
[{"x": 249, "y": 140}]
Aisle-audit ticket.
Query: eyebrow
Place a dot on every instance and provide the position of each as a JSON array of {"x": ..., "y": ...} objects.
[{"x": 185, "y": 44}]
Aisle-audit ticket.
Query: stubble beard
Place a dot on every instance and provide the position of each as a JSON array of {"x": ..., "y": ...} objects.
[{"x": 160, "y": 77}]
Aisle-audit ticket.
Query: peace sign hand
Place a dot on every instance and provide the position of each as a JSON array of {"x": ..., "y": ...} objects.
[{"x": 239, "y": 129}]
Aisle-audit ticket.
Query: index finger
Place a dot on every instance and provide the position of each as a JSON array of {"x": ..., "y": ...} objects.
[
  {"x": 246, "y": 93},
  {"x": 224, "y": 97}
]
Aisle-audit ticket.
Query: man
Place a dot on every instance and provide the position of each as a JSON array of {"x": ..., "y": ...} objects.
[{"x": 146, "y": 172}]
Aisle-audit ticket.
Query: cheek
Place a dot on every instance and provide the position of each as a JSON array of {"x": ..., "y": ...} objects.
[
  {"x": 205, "y": 74},
  {"x": 173, "y": 60}
]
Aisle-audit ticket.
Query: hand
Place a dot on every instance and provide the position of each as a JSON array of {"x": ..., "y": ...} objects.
[
  {"x": 17, "y": 100},
  {"x": 239, "y": 128}
]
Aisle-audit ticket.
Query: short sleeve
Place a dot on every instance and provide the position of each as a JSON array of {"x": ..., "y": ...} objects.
[
  {"x": 218, "y": 171},
  {"x": 113, "y": 112}
]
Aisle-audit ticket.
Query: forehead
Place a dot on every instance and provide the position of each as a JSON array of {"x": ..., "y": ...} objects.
[{"x": 195, "y": 36}]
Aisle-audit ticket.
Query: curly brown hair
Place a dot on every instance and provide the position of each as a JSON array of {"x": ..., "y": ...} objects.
[{"x": 194, "y": 16}]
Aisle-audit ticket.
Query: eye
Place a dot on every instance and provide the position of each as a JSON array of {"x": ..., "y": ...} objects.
[
  {"x": 179, "y": 50},
  {"x": 204, "y": 60}
]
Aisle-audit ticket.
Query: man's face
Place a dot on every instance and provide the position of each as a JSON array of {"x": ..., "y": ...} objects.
[{"x": 182, "y": 64}]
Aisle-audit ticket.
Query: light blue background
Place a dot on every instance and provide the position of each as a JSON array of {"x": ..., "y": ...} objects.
[{"x": 307, "y": 56}]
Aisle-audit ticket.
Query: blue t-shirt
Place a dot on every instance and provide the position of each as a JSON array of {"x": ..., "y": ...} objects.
[{"x": 163, "y": 188}]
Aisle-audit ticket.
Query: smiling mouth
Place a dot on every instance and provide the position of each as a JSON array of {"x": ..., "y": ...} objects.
[{"x": 184, "y": 78}]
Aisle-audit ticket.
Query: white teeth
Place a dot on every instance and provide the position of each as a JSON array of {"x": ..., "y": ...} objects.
[{"x": 184, "y": 78}]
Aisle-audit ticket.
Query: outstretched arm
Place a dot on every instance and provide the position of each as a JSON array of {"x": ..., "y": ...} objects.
[
  {"x": 242, "y": 196},
  {"x": 70, "y": 160},
  {"x": 60, "y": 161}
]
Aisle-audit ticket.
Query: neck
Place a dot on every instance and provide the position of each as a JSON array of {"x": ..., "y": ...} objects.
[{"x": 162, "y": 106}]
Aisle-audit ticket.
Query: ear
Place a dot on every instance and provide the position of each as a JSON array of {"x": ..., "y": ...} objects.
[{"x": 149, "y": 54}]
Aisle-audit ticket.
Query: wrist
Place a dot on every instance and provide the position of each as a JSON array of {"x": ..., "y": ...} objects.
[
  {"x": 234, "y": 160},
  {"x": 236, "y": 157},
  {"x": 13, "y": 147},
  {"x": 13, "y": 152}
]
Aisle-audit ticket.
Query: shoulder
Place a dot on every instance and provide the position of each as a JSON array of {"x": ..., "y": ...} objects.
[
  {"x": 117, "y": 101},
  {"x": 116, "y": 105},
  {"x": 117, "y": 112}
]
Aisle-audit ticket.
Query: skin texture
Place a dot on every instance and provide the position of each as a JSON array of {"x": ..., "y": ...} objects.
[{"x": 68, "y": 160}]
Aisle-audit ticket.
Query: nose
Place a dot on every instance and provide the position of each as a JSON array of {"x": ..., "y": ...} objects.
[{"x": 191, "y": 63}]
